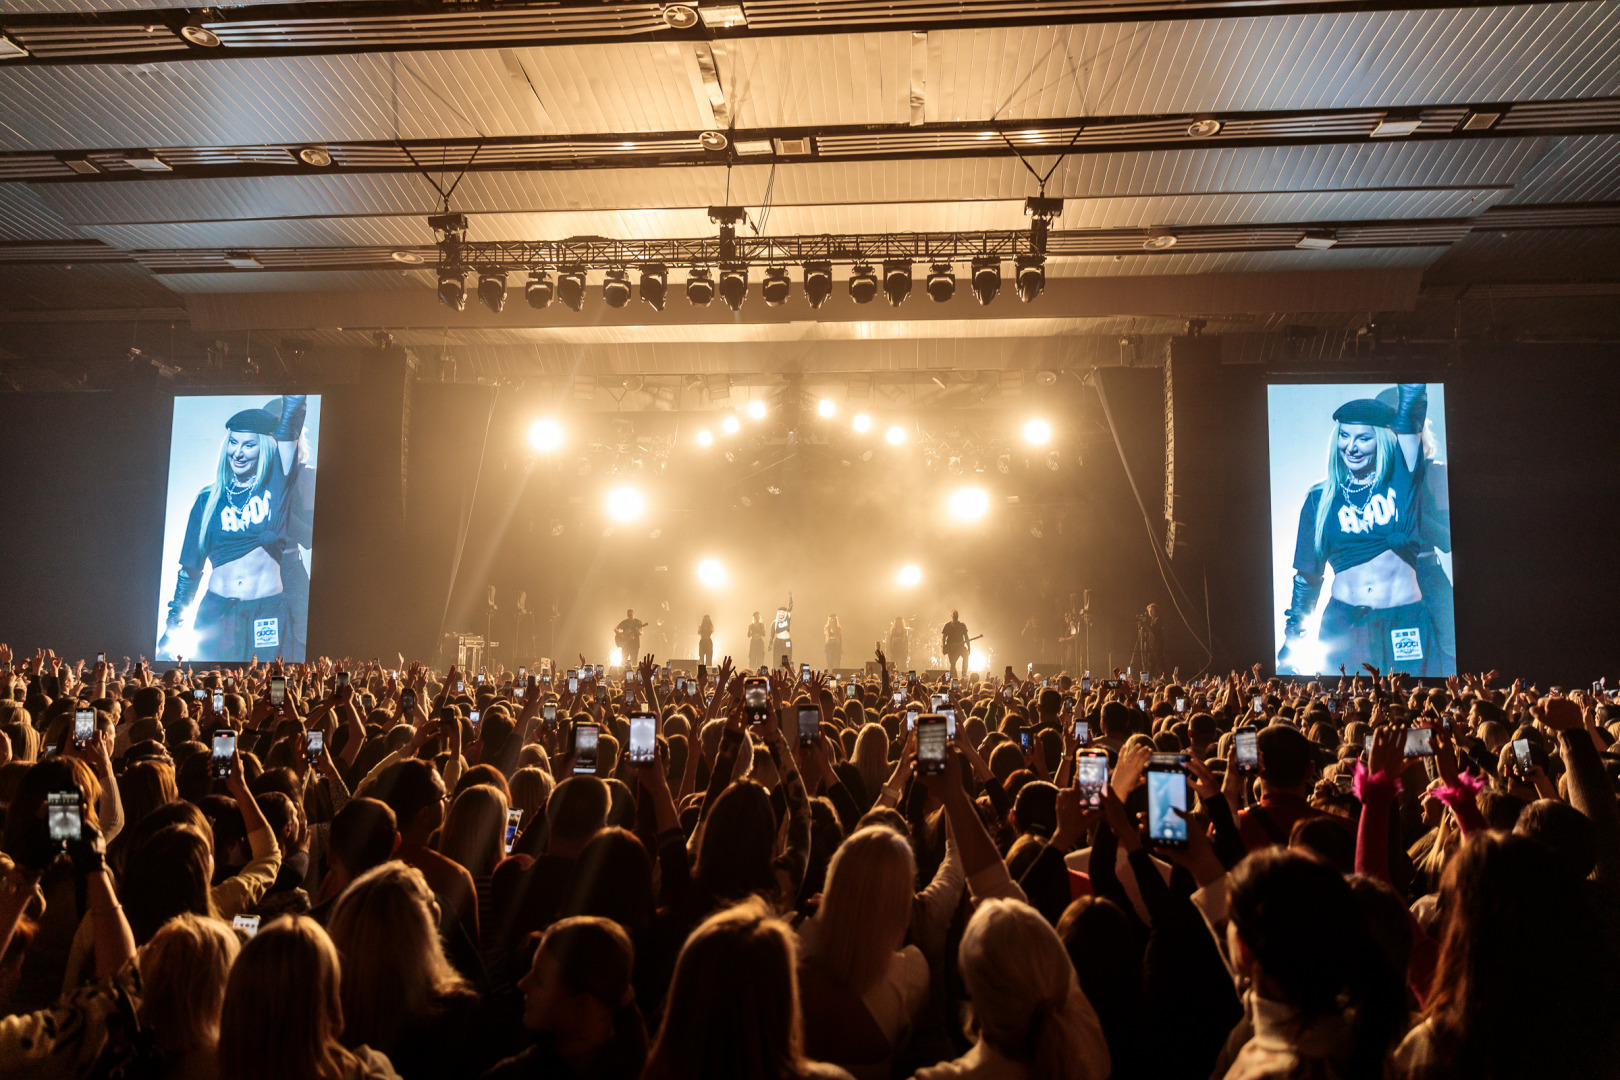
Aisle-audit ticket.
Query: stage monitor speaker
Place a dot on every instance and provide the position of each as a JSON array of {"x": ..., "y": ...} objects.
[
  {"x": 934, "y": 674},
  {"x": 1048, "y": 670}
]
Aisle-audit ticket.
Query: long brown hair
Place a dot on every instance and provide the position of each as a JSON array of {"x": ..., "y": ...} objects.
[
  {"x": 733, "y": 1005},
  {"x": 394, "y": 968},
  {"x": 184, "y": 970},
  {"x": 283, "y": 1010}
]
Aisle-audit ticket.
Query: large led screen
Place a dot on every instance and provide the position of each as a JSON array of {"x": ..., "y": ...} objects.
[
  {"x": 1361, "y": 528},
  {"x": 239, "y": 528}
]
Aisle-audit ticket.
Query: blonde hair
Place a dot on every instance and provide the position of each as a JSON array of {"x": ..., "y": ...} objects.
[
  {"x": 1027, "y": 1002},
  {"x": 269, "y": 458},
  {"x": 865, "y": 907},
  {"x": 184, "y": 969},
  {"x": 1388, "y": 448},
  {"x": 871, "y": 758},
  {"x": 474, "y": 828},
  {"x": 394, "y": 967},
  {"x": 284, "y": 1008},
  {"x": 531, "y": 786}
]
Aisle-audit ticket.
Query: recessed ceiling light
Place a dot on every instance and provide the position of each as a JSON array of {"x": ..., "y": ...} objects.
[
  {"x": 713, "y": 140},
  {"x": 1480, "y": 120},
  {"x": 316, "y": 156},
  {"x": 200, "y": 35},
  {"x": 1391, "y": 128},
  {"x": 680, "y": 17},
  {"x": 1317, "y": 241},
  {"x": 409, "y": 258},
  {"x": 10, "y": 50},
  {"x": 754, "y": 146},
  {"x": 242, "y": 260},
  {"x": 147, "y": 163},
  {"x": 1159, "y": 243},
  {"x": 723, "y": 16},
  {"x": 81, "y": 166},
  {"x": 1203, "y": 129}
]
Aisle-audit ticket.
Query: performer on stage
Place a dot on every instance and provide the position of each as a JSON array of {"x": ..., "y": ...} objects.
[
  {"x": 756, "y": 642},
  {"x": 627, "y": 636},
  {"x": 833, "y": 637},
  {"x": 240, "y": 527},
  {"x": 899, "y": 643},
  {"x": 706, "y": 642},
  {"x": 1362, "y": 521},
  {"x": 781, "y": 633},
  {"x": 955, "y": 645},
  {"x": 1148, "y": 655}
]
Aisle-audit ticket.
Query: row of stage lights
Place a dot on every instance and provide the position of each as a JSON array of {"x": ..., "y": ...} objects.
[
  {"x": 626, "y": 503},
  {"x": 568, "y": 285},
  {"x": 712, "y": 574},
  {"x": 546, "y": 434}
]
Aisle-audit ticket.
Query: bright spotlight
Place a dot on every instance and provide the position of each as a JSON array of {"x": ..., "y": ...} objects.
[
  {"x": 705, "y": 437},
  {"x": 730, "y": 425},
  {"x": 827, "y": 408},
  {"x": 711, "y": 573},
  {"x": 625, "y": 503},
  {"x": 910, "y": 576},
  {"x": 979, "y": 661},
  {"x": 1037, "y": 432},
  {"x": 895, "y": 435},
  {"x": 756, "y": 410},
  {"x": 615, "y": 657},
  {"x": 545, "y": 435},
  {"x": 861, "y": 423},
  {"x": 968, "y": 504}
]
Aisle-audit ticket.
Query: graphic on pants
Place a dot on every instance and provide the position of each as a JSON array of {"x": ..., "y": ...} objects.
[
  {"x": 239, "y": 528},
  {"x": 1361, "y": 528}
]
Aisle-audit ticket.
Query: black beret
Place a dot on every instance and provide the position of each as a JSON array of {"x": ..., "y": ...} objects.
[
  {"x": 1365, "y": 411},
  {"x": 257, "y": 420}
]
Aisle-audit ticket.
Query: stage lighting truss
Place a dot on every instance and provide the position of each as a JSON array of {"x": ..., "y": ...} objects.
[{"x": 736, "y": 255}]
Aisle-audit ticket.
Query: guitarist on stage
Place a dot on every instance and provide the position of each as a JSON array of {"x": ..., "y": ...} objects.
[
  {"x": 955, "y": 644},
  {"x": 627, "y": 636}
]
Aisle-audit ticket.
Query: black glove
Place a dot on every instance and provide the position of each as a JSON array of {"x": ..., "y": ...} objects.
[
  {"x": 1307, "y": 590},
  {"x": 1412, "y": 409},
  {"x": 185, "y": 591},
  {"x": 291, "y": 424}
]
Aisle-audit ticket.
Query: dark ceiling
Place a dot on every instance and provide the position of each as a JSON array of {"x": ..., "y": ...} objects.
[{"x": 1461, "y": 164}]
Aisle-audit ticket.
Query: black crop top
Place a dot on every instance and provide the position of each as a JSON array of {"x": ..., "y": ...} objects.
[
  {"x": 1385, "y": 519},
  {"x": 241, "y": 523}
]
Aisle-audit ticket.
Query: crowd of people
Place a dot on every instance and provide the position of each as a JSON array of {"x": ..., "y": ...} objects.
[{"x": 362, "y": 870}]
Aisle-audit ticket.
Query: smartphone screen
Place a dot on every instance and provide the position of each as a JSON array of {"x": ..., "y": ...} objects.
[
  {"x": 523, "y": 673},
  {"x": 1091, "y": 776},
  {"x": 1521, "y": 756},
  {"x": 1026, "y": 739},
  {"x": 809, "y": 725},
  {"x": 473, "y": 718},
  {"x": 407, "y": 699},
  {"x": 585, "y": 736},
  {"x": 278, "y": 689},
  {"x": 1085, "y": 685},
  {"x": 1167, "y": 793},
  {"x": 1257, "y": 704},
  {"x": 643, "y": 738},
  {"x": 804, "y": 672},
  {"x": 931, "y": 736},
  {"x": 514, "y": 818},
  {"x": 1248, "y": 750},
  {"x": 899, "y": 697},
  {"x": 950, "y": 722},
  {"x": 1142, "y": 703},
  {"x": 1181, "y": 704},
  {"x": 219, "y": 701},
  {"x": 851, "y": 690},
  {"x": 911, "y": 719},
  {"x": 1419, "y": 742},
  {"x": 65, "y": 815},
  {"x": 573, "y": 684},
  {"x": 602, "y": 693},
  {"x": 461, "y": 686},
  {"x": 314, "y": 746},
  {"x": 550, "y": 714},
  {"x": 343, "y": 679},
  {"x": 224, "y": 749},
  {"x": 757, "y": 698},
  {"x": 1082, "y": 731},
  {"x": 101, "y": 658},
  {"x": 939, "y": 702},
  {"x": 680, "y": 685},
  {"x": 84, "y": 726},
  {"x": 248, "y": 924}
]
